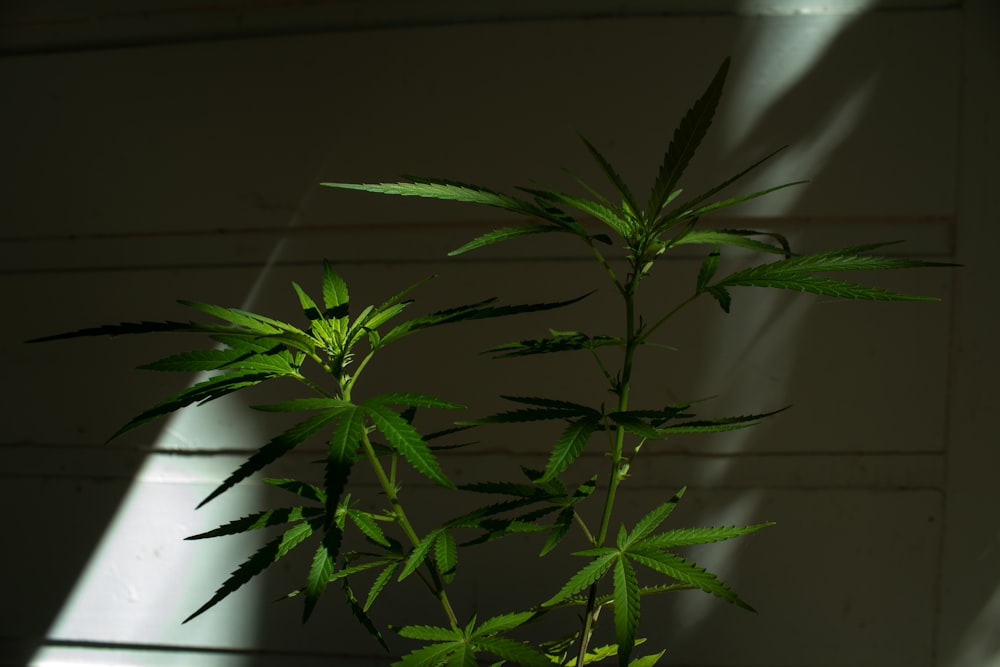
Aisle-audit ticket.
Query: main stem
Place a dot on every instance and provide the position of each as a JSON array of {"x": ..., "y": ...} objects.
[{"x": 617, "y": 472}]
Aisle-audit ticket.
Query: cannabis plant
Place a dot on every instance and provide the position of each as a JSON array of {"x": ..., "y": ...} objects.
[{"x": 625, "y": 564}]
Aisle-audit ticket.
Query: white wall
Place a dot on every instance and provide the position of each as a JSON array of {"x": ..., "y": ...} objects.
[{"x": 175, "y": 153}]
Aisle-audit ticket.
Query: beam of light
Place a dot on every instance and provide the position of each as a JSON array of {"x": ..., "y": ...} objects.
[{"x": 143, "y": 578}]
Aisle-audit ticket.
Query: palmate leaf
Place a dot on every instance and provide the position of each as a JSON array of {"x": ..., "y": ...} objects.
[
  {"x": 257, "y": 563},
  {"x": 647, "y": 660},
  {"x": 685, "y": 142},
  {"x": 273, "y": 450},
  {"x": 626, "y": 588},
  {"x": 516, "y": 652}
]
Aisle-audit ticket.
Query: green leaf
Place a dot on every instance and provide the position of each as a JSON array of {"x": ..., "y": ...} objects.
[
  {"x": 570, "y": 445},
  {"x": 609, "y": 217},
  {"x": 414, "y": 401},
  {"x": 628, "y": 201},
  {"x": 419, "y": 553},
  {"x": 719, "y": 425},
  {"x": 516, "y": 652},
  {"x": 796, "y": 273},
  {"x": 302, "y": 404},
  {"x": 636, "y": 426},
  {"x": 682, "y": 537},
  {"x": 368, "y": 526},
  {"x": 626, "y": 588},
  {"x": 428, "y": 656},
  {"x": 381, "y": 581},
  {"x": 201, "y": 392},
  {"x": 258, "y": 520},
  {"x": 298, "y": 487},
  {"x": 707, "y": 271},
  {"x": 561, "y": 341},
  {"x": 362, "y": 616},
  {"x": 739, "y": 238},
  {"x": 503, "y": 623},
  {"x": 685, "y": 571},
  {"x": 407, "y": 441},
  {"x": 275, "y": 449},
  {"x": 685, "y": 141},
  {"x": 653, "y": 519},
  {"x": 647, "y": 660},
  {"x": 504, "y": 234},
  {"x": 335, "y": 297},
  {"x": 320, "y": 570},
  {"x": 195, "y": 361},
  {"x": 257, "y": 563},
  {"x": 587, "y": 575},
  {"x": 559, "y": 530},
  {"x": 446, "y": 555},
  {"x": 429, "y": 633}
]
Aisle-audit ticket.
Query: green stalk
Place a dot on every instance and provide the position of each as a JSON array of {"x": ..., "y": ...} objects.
[
  {"x": 632, "y": 341},
  {"x": 390, "y": 491}
]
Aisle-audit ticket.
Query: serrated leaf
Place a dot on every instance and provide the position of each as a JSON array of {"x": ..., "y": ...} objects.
[
  {"x": 720, "y": 424},
  {"x": 446, "y": 555},
  {"x": 647, "y": 660},
  {"x": 685, "y": 571},
  {"x": 740, "y": 238},
  {"x": 362, "y": 616},
  {"x": 586, "y": 576},
  {"x": 503, "y": 623},
  {"x": 407, "y": 441},
  {"x": 559, "y": 530},
  {"x": 636, "y": 426},
  {"x": 570, "y": 445},
  {"x": 685, "y": 141},
  {"x": 419, "y": 553},
  {"x": 201, "y": 392},
  {"x": 707, "y": 270},
  {"x": 368, "y": 526},
  {"x": 653, "y": 519},
  {"x": 429, "y": 633},
  {"x": 562, "y": 342},
  {"x": 273, "y": 450},
  {"x": 414, "y": 401},
  {"x": 258, "y": 520},
  {"x": 336, "y": 297},
  {"x": 298, "y": 487},
  {"x": 628, "y": 201},
  {"x": 257, "y": 563},
  {"x": 320, "y": 570},
  {"x": 516, "y": 652},
  {"x": 682, "y": 537},
  {"x": 381, "y": 581},
  {"x": 602, "y": 213},
  {"x": 504, "y": 234},
  {"x": 194, "y": 361},
  {"x": 302, "y": 404},
  {"x": 626, "y": 588},
  {"x": 428, "y": 656}
]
